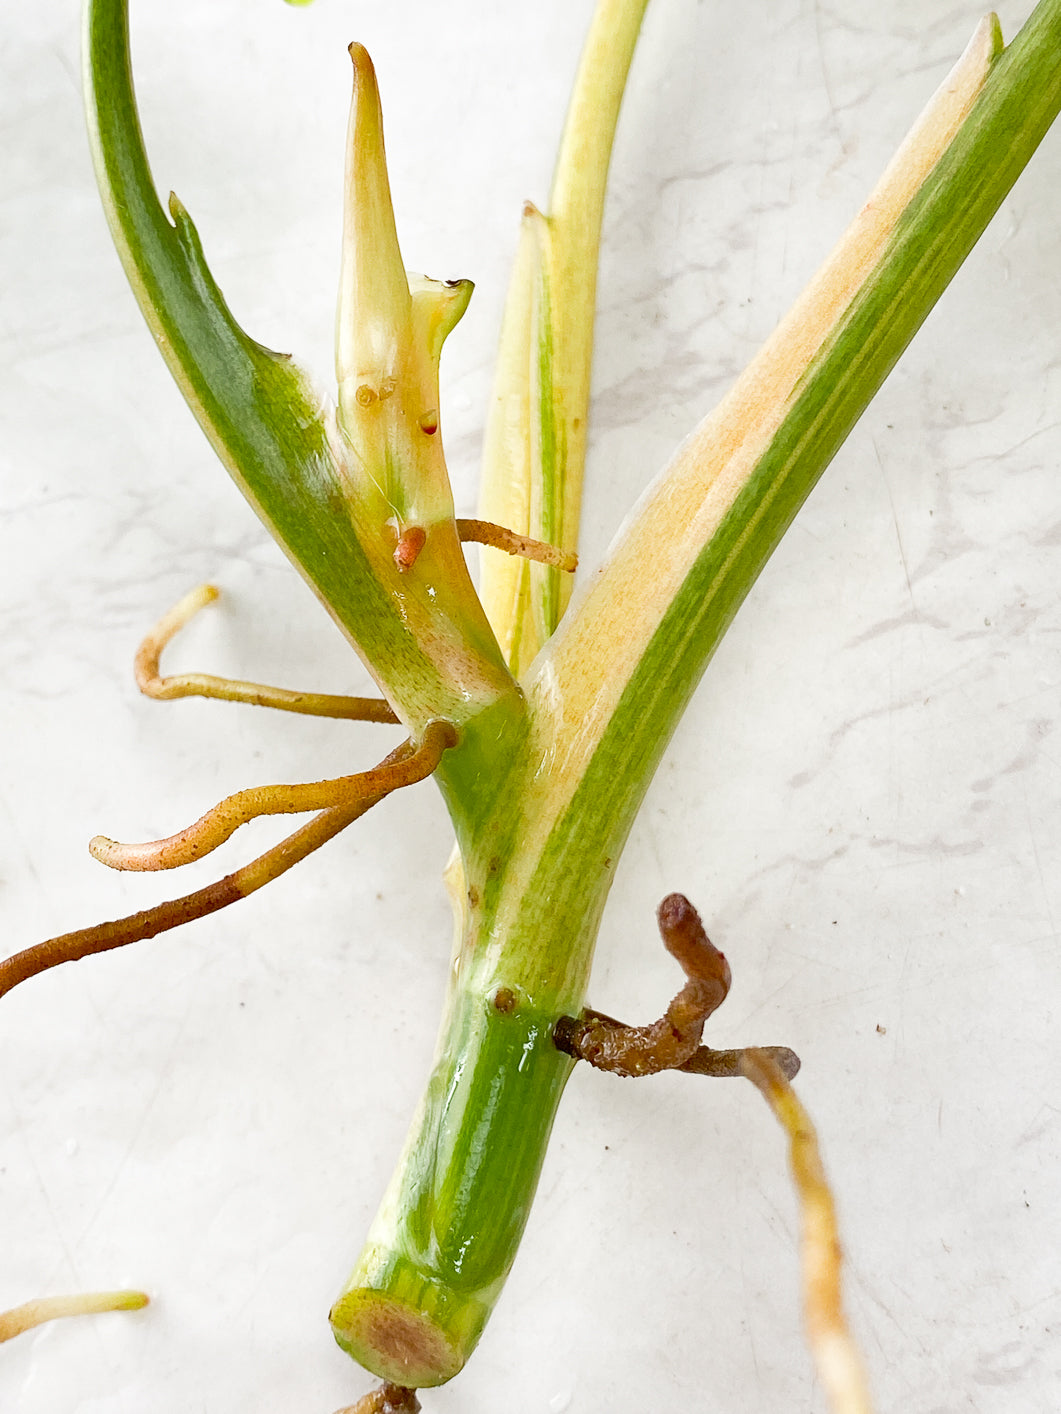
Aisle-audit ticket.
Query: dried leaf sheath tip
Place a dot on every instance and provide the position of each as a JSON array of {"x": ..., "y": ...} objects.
[{"x": 672, "y": 1042}]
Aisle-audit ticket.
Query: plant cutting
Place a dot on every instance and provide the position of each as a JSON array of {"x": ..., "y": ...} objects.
[{"x": 542, "y": 759}]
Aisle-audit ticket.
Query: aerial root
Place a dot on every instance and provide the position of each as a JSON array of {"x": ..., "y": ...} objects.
[
  {"x": 835, "y": 1353},
  {"x": 50, "y": 1308},
  {"x": 725, "y": 1065},
  {"x": 388, "y": 1399},
  {"x": 485, "y": 532},
  {"x": 312, "y": 704},
  {"x": 220, "y": 823},
  {"x": 102, "y": 937},
  {"x": 672, "y": 1042},
  {"x": 70, "y": 947}
]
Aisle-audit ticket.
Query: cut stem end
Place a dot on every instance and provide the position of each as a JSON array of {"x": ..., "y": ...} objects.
[{"x": 396, "y": 1341}]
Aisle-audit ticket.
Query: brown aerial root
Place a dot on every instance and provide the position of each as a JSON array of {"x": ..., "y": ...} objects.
[
  {"x": 70, "y": 947},
  {"x": 672, "y": 1042},
  {"x": 219, "y": 824},
  {"x": 726, "y": 1065},
  {"x": 388, "y": 1399},
  {"x": 485, "y": 532},
  {"x": 312, "y": 704},
  {"x": 835, "y": 1353},
  {"x": 50, "y": 1308}
]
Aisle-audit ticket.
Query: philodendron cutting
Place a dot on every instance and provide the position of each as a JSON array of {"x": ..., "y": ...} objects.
[{"x": 541, "y": 717}]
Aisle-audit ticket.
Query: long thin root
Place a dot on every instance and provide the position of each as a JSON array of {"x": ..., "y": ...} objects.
[
  {"x": 725, "y": 1065},
  {"x": 221, "y": 822},
  {"x": 71, "y": 947},
  {"x": 485, "y": 532},
  {"x": 835, "y": 1353},
  {"x": 312, "y": 704},
  {"x": 149, "y": 922},
  {"x": 50, "y": 1308}
]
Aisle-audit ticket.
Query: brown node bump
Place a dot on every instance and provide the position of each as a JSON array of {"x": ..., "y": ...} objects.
[
  {"x": 428, "y": 423},
  {"x": 410, "y": 542},
  {"x": 504, "y": 1000},
  {"x": 365, "y": 395}
]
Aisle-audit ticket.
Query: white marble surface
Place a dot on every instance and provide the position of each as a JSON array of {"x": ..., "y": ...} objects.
[{"x": 865, "y": 798}]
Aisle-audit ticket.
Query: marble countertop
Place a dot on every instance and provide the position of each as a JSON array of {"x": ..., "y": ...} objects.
[{"x": 864, "y": 799}]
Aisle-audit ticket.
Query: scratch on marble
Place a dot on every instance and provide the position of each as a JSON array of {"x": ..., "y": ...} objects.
[
  {"x": 161, "y": 1076},
  {"x": 895, "y": 522},
  {"x": 1039, "y": 866},
  {"x": 28, "y": 862},
  {"x": 1038, "y": 1126},
  {"x": 953, "y": 680},
  {"x": 42, "y": 1186},
  {"x": 827, "y": 83}
]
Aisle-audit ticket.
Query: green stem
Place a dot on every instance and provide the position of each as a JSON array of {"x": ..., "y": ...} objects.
[
  {"x": 543, "y": 791},
  {"x": 609, "y": 688},
  {"x": 450, "y": 1224}
]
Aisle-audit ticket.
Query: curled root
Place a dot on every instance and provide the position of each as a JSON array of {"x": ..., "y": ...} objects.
[
  {"x": 102, "y": 937},
  {"x": 149, "y": 680},
  {"x": 220, "y": 823},
  {"x": 672, "y": 1042}
]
